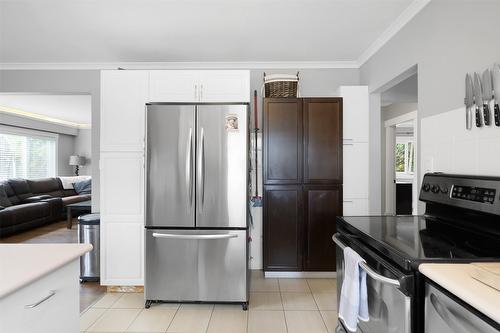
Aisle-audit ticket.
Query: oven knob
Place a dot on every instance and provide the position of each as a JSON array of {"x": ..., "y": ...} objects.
[
  {"x": 426, "y": 187},
  {"x": 435, "y": 189},
  {"x": 444, "y": 189}
]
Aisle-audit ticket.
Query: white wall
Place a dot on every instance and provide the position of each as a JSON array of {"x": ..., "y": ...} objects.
[
  {"x": 445, "y": 47},
  {"x": 83, "y": 147},
  {"x": 65, "y": 148}
]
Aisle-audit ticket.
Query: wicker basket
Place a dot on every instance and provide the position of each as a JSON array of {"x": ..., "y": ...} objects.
[{"x": 281, "y": 85}]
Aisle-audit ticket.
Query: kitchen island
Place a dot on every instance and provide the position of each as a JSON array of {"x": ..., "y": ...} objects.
[{"x": 39, "y": 287}]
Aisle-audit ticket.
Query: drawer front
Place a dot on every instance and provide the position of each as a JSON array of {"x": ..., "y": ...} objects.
[
  {"x": 196, "y": 265},
  {"x": 58, "y": 313},
  {"x": 445, "y": 315}
]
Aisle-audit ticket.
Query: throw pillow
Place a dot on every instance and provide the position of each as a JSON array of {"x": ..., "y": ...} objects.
[
  {"x": 83, "y": 187},
  {"x": 4, "y": 199}
]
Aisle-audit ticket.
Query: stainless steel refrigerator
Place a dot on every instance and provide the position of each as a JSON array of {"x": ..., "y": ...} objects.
[{"x": 196, "y": 213}]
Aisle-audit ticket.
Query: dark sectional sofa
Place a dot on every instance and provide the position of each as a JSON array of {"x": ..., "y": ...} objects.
[{"x": 33, "y": 202}]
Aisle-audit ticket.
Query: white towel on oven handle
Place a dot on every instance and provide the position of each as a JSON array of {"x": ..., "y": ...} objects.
[{"x": 353, "y": 295}]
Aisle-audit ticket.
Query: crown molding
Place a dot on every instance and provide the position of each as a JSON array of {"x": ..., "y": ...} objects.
[
  {"x": 43, "y": 118},
  {"x": 179, "y": 65},
  {"x": 409, "y": 13}
]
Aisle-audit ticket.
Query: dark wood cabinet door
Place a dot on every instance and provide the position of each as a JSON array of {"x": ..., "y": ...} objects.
[
  {"x": 282, "y": 141},
  {"x": 283, "y": 236},
  {"x": 322, "y": 206},
  {"x": 322, "y": 140}
]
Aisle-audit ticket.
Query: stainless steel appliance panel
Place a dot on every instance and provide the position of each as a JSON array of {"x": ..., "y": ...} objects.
[
  {"x": 444, "y": 315},
  {"x": 388, "y": 308},
  {"x": 222, "y": 158},
  {"x": 196, "y": 265},
  {"x": 170, "y": 193}
]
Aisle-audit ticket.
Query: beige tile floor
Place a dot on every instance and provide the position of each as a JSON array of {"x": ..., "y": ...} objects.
[{"x": 276, "y": 306}]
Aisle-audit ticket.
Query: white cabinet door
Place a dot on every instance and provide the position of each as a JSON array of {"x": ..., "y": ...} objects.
[
  {"x": 124, "y": 94},
  {"x": 224, "y": 86},
  {"x": 122, "y": 185},
  {"x": 58, "y": 313},
  {"x": 174, "y": 86},
  {"x": 122, "y": 253},
  {"x": 356, "y": 169},
  {"x": 355, "y": 113},
  {"x": 355, "y": 207}
]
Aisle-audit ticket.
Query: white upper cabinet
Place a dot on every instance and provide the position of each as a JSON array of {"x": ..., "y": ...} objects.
[
  {"x": 355, "y": 100},
  {"x": 224, "y": 86},
  {"x": 124, "y": 94},
  {"x": 200, "y": 86},
  {"x": 174, "y": 86}
]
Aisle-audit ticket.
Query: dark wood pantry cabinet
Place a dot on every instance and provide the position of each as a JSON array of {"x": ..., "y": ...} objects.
[{"x": 302, "y": 168}]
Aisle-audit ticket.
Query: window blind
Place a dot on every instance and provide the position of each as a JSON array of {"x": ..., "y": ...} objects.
[{"x": 27, "y": 156}]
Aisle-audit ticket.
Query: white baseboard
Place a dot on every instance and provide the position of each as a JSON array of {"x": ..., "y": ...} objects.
[{"x": 301, "y": 275}]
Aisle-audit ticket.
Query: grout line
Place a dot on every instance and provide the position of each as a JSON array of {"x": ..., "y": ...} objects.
[
  {"x": 135, "y": 318},
  {"x": 210, "y": 319},
  {"x": 175, "y": 314},
  {"x": 95, "y": 321}
]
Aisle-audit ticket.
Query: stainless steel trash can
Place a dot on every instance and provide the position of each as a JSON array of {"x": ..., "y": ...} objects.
[{"x": 88, "y": 232}]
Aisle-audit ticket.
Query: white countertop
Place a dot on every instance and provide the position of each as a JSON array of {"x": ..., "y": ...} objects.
[
  {"x": 21, "y": 264},
  {"x": 456, "y": 278}
]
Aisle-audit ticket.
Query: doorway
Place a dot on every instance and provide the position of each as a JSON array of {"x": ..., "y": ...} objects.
[{"x": 399, "y": 147}]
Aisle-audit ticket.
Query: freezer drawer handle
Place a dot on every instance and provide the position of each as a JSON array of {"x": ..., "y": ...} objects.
[
  {"x": 452, "y": 320},
  {"x": 34, "y": 305},
  {"x": 180, "y": 236},
  {"x": 374, "y": 275}
]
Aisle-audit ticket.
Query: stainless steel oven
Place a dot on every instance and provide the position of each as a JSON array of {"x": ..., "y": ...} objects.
[{"x": 390, "y": 299}]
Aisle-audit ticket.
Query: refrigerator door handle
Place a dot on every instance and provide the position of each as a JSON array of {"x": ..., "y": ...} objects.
[
  {"x": 194, "y": 237},
  {"x": 201, "y": 169},
  {"x": 189, "y": 166}
]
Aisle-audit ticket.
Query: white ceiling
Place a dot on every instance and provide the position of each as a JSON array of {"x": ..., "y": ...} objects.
[
  {"x": 72, "y": 110},
  {"x": 74, "y": 31}
]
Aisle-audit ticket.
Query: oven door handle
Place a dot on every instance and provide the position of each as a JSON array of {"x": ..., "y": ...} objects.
[{"x": 374, "y": 275}]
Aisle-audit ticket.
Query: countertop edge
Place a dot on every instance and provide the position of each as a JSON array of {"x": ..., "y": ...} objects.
[
  {"x": 457, "y": 289},
  {"x": 78, "y": 251}
]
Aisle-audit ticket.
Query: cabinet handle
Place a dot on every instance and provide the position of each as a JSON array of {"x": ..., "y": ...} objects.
[
  {"x": 195, "y": 92},
  {"x": 34, "y": 305},
  {"x": 348, "y": 144},
  {"x": 201, "y": 92},
  {"x": 347, "y": 201}
]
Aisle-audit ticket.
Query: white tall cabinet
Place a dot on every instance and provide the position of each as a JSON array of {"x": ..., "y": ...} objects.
[
  {"x": 356, "y": 149},
  {"x": 124, "y": 94}
]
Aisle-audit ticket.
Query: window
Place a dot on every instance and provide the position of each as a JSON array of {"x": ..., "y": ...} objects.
[
  {"x": 405, "y": 156},
  {"x": 27, "y": 154}
]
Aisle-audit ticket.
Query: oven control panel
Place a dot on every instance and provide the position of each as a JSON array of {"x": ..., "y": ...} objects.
[
  {"x": 478, "y": 194},
  {"x": 470, "y": 192}
]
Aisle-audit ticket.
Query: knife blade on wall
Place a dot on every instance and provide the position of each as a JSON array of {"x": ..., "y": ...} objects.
[
  {"x": 487, "y": 90},
  {"x": 478, "y": 98},
  {"x": 469, "y": 101},
  {"x": 496, "y": 90}
]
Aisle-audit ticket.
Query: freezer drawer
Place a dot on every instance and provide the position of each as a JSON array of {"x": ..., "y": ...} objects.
[
  {"x": 196, "y": 265},
  {"x": 445, "y": 315}
]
